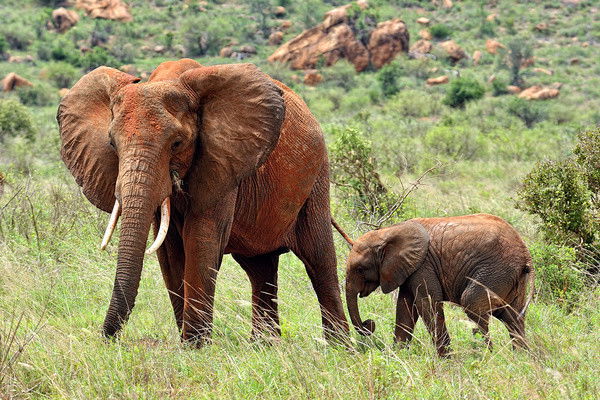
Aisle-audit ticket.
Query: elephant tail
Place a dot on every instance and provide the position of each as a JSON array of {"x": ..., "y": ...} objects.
[
  {"x": 341, "y": 231},
  {"x": 531, "y": 277}
]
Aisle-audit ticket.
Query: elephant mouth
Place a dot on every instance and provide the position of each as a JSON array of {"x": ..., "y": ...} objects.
[
  {"x": 368, "y": 288},
  {"x": 165, "y": 217}
]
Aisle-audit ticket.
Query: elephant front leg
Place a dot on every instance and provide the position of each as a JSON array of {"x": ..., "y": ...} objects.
[
  {"x": 205, "y": 237},
  {"x": 406, "y": 316}
]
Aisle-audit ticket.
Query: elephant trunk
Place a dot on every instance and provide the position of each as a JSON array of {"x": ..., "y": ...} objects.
[
  {"x": 364, "y": 328},
  {"x": 138, "y": 202}
]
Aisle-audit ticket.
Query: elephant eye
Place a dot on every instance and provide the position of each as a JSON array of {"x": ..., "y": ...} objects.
[{"x": 176, "y": 145}]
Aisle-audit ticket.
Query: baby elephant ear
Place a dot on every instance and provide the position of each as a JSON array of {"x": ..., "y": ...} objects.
[
  {"x": 240, "y": 115},
  {"x": 83, "y": 120},
  {"x": 404, "y": 250}
]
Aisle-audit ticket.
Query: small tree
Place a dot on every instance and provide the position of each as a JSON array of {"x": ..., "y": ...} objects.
[
  {"x": 463, "y": 90},
  {"x": 513, "y": 58},
  {"x": 388, "y": 78}
]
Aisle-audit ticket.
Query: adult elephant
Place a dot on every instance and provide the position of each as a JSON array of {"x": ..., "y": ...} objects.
[{"x": 222, "y": 159}]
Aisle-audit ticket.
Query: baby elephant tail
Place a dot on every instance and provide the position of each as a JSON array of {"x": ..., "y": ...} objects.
[
  {"x": 531, "y": 277},
  {"x": 341, "y": 231}
]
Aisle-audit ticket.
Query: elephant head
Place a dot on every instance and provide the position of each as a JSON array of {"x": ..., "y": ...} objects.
[
  {"x": 127, "y": 142},
  {"x": 384, "y": 257}
]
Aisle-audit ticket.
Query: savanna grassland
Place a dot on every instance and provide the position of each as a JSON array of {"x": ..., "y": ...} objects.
[{"x": 55, "y": 283}]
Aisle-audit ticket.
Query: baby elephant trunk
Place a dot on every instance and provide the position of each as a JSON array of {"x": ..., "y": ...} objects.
[{"x": 365, "y": 328}]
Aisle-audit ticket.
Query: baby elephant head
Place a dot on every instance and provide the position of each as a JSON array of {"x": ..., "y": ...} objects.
[{"x": 384, "y": 257}]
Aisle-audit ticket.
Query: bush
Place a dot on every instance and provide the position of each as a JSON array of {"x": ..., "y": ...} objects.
[
  {"x": 463, "y": 90},
  {"x": 3, "y": 46},
  {"x": 97, "y": 57},
  {"x": 14, "y": 120},
  {"x": 17, "y": 36},
  {"x": 440, "y": 31},
  {"x": 354, "y": 171},
  {"x": 513, "y": 57},
  {"x": 455, "y": 142},
  {"x": 499, "y": 87},
  {"x": 38, "y": 95},
  {"x": 587, "y": 153},
  {"x": 63, "y": 75},
  {"x": 530, "y": 112},
  {"x": 388, "y": 78},
  {"x": 559, "y": 277},
  {"x": 558, "y": 193},
  {"x": 57, "y": 50}
]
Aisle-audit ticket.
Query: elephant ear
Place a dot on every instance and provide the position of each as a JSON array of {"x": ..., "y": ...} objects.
[
  {"x": 84, "y": 116},
  {"x": 240, "y": 115},
  {"x": 171, "y": 70},
  {"x": 403, "y": 252}
]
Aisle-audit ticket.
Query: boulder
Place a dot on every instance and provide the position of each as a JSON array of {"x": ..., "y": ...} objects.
[
  {"x": 543, "y": 71},
  {"x": 335, "y": 38},
  {"x": 425, "y": 34},
  {"x": 107, "y": 9},
  {"x": 279, "y": 11},
  {"x": 63, "y": 19},
  {"x": 539, "y": 93},
  {"x": 440, "y": 80},
  {"x": 541, "y": 27},
  {"x": 12, "y": 81},
  {"x": 492, "y": 46},
  {"x": 491, "y": 17},
  {"x": 476, "y": 57},
  {"x": 159, "y": 49},
  {"x": 225, "y": 52},
  {"x": 421, "y": 46},
  {"x": 285, "y": 25},
  {"x": 275, "y": 38},
  {"x": 386, "y": 41},
  {"x": 312, "y": 77},
  {"x": 453, "y": 51},
  {"x": 574, "y": 61},
  {"x": 248, "y": 49},
  {"x": 423, "y": 21},
  {"x": 20, "y": 59},
  {"x": 513, "y": 89}
]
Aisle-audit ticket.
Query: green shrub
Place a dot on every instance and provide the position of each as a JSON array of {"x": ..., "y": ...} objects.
[
  {"x": 463, "y": 90},
  {"x": 17, "y": 36},
  {"x": 499, "y": 87},
  {"x": 354, "y": 172},
  {"x": 559, "y": 277},
  {"x": 587, "y": 153},
  {"x": 455, "y": 142},
  {"x": 39, "y": 95},
  {"x": 15, "y": 120},
  {"x": 97, "y": 57},
  {"x": 440, "y": 31},
  {"x": 60, "y": 49},
  {"x": 388, "y": 78},
  {"x": 3, "y": 45},
  {"x": 513, "y": 57},
  {"x": 530, "y": 112},
  {"x": 62, "y": 74},
  {"x": 558, "y": 193}
]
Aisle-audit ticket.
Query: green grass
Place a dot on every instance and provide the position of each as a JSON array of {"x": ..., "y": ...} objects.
[{"x": 55, "y": 281}]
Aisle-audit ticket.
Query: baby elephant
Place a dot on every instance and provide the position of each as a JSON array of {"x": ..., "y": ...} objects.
[{"x": 477, "y": 261}]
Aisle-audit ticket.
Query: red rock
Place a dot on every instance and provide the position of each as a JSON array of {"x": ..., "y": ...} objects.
[
  {"x": 513, "y": 89},
  {"x": 63, "y": 19},
  {"x": 453, "y": 50},
  {"x": 279, "y": 11},
  {"x": 285, "y": 25},
  {"x": 275, "y": 38},
  {"x": 386, "y": 41},
  {"x": 539, "y": 93},
  {"x": 492, "y": 46},
  {"x": 425, "y": 34},
  {"x": 440, "y": 80},
  {"x": 107, "y": 9},
  {"x": 312, "y": 78},
  {"x": 12, "y": 81},
  {"x": 543, "y": 71},
  {"x": 421, "y": 46},
  {"x": 225, "y": 52},
  {"x": 476, "y": 57},
  {"x": 423, "y": 21}
]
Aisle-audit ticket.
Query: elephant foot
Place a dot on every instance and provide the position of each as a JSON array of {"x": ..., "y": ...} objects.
[{"x": 196, "y": 341}]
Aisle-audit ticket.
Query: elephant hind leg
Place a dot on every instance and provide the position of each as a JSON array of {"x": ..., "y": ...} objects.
[
  {"x": 482, "y": 320},
  {"x": 515, "y": 325},
  {"x": 262, "y": 272},
  {"x": 312, "y": 243}
]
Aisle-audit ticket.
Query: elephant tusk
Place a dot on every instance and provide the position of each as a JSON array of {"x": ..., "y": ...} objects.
[
  {"x": 112, "y": 223},
  {"x": 165, "y": 216}
]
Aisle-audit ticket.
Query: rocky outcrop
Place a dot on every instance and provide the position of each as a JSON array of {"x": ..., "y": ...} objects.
[
  {"x": 12, "y": 81},
  {"x": 440, "y": 80},
  {"x": 453, "y": 51},
  {"x": 492, "y": 46},
  {"x": 107, "y": 9},
  {"x": 63, "y": 19},
  {"x": 539, "y": 93},
  {"x": 421, "y": 47},
  {"x": 336, "y": 38}
]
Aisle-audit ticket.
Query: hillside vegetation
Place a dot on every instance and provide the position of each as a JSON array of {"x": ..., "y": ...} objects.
[{"x": 464, "y": 147}]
